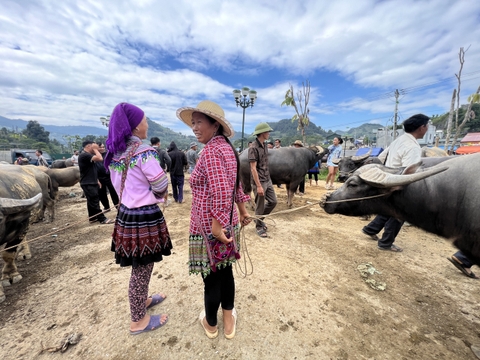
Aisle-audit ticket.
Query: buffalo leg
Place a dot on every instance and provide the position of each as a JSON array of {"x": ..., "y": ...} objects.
[
  {"x": 290, "y": 193},
  {"x": 23, "y": 251},
  {"x": 10, "y": 274}
]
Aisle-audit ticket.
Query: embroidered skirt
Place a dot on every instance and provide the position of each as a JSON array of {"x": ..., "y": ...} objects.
[
  {"x": 140, "y": 236},
  {"x": 198, "y": 261}
]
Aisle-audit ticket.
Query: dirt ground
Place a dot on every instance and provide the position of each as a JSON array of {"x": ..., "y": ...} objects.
[{"x": 305, "y": 298}]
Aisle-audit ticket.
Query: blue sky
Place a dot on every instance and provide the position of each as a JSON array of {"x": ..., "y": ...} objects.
[{"x": 70, "y": 62}]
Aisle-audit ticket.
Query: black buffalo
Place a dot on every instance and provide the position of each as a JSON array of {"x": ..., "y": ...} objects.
[
  {"x": 446, "y": 204},
  {"x": 19, "y": 195},
  {"x": 61, "y": 164},
  {"x": 349, "y": 164},
  {"x": 39, "y": 175},
  {"x": 286, "y": 165}
]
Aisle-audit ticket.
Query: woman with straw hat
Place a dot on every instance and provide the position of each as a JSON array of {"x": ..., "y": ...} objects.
[
  {"x": 214, "y": 222},
  {"x": 140, "y": 236}
]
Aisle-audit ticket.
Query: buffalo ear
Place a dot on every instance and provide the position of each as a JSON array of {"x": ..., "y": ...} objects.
[{"x": 411, "y": 169}]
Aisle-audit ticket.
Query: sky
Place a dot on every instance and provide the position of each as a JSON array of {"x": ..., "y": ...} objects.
[{"x": 70, "y": 62}]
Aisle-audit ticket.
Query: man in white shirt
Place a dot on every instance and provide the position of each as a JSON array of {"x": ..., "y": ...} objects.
[
  {"x": 74, "y": 158},
  {"x": 40, "y": 159},
  {"x": 192, "y": 157},
  {"x": 278, "y": 145},
  {"x": 403, "y": 152}
]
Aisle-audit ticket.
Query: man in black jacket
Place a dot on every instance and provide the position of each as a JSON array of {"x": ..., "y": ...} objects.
[
  {"x": 177, "y": 177},
  {"x": 105, "y": 181},
  {"x": 165, "y": 161},
  {"x": 89, "y": 181}
]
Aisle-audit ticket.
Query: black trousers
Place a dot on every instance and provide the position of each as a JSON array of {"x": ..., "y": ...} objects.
[
  {"x": 102, "y": 193},
  {"x": 219, "y": 289},
  {"x": 391, "y": 228},
  {"x": 93, "y": 203}
]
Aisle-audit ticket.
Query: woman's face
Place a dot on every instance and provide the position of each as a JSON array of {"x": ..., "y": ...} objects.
[
  {"x": 336, "y": 141},
  {"x": 142, "y": 129},
  {"x": 203, "y": 128}
]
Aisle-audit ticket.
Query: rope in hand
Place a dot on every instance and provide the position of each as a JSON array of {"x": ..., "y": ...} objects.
[{"x": 56, "y": 230}]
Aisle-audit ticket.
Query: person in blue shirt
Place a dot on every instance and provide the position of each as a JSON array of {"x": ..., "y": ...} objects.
[{"x": 335, "y": 153}]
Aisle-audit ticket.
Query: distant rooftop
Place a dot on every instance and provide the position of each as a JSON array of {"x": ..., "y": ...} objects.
[{"x": 471, "y": 138}]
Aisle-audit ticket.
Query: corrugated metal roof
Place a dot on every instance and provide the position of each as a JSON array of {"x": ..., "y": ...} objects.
[{"x": 471, "y": 137}]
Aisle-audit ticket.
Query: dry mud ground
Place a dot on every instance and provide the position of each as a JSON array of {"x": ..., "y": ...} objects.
[{"x": 304, "y": 300}]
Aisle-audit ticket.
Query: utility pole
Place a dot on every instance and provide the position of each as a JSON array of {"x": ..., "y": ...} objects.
[{"x": 397, "y": 94}]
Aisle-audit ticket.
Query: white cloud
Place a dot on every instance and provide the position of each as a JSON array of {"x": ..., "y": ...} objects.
[{"x": 71, "y": 62}]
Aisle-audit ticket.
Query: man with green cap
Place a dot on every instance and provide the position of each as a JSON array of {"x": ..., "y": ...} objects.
[{"x": 265, "y": 198}]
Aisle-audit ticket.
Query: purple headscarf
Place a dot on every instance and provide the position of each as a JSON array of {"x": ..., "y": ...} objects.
[{"x": 125, "y": 117}]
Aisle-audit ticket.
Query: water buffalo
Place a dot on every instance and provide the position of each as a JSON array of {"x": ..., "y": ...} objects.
[
  {"x": 446, "y": 204},
  {"x": 287, "y": 166},
  {"x": 62, "y": 164},
  {"x": 19, "y": 195},
  {"x": 45, "y": 183},
  {"x": 63, "y": 177},
  {"x": 349, "y": 164}
]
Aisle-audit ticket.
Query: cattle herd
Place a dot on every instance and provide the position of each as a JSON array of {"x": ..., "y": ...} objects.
[{"x": 440, "y": 195}]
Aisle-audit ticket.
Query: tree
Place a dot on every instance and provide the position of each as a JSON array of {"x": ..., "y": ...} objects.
[
  {"x": 37, "y": 132},
  {"x": 456, "y": 99},
  {"x": 300, "y": 106},
  {"x": 469, "y": 114},
  {"x": 74, "y": 142}
]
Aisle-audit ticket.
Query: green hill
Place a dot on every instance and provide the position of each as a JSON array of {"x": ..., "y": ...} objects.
[
  {"x": 287, "y": 132},
  {"x": 473, "y": 125},
  {"x": 166, "y": 136}
]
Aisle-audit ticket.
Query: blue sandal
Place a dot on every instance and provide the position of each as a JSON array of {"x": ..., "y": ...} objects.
[
  {"x": 153, "y": 324},
  {"x": 156, "y": 299}
]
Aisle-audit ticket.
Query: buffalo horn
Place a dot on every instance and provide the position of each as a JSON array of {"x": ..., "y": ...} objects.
[
  {"x": 12, "y": 206},
  {"x": 336, "y": 161},
  {"x": 362, "y": 157},
  {"x": 381, "y": 179}
]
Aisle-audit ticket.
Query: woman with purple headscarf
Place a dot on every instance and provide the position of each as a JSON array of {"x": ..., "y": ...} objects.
[{"x": 140, "y": 236}]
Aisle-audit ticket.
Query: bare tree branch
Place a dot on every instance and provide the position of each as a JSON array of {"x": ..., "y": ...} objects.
[
  {"x": 300, "y": 106},
  {"x": 450, "y": 118},
  {"x": 465, "y": 119}
]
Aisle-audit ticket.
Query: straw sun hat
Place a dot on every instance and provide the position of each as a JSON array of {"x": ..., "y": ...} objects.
[{"x": 209, "y": 108}]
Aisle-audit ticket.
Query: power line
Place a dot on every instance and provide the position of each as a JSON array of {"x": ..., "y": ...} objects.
[{"x": 465, "y": 77}]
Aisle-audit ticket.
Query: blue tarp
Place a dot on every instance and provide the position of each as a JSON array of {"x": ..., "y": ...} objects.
[
  {"x": 363, "y": 151},
  {"x": 449, "y": 147}
]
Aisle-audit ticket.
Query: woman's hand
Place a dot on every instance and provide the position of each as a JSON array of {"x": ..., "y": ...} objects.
[
  {"x": 244, "y": 215},
  {"x": 245, "y": 219},
  {"x": 222, "y": 237}
]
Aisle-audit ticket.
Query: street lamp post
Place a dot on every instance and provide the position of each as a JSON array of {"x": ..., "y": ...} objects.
[
  {"x": 105, "y": 120},
  {"x": 244, "y": 102},
  {"x": 345, "y": 139}
]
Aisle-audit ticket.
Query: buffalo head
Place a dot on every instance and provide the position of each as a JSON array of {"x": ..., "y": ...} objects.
[{"x": 365, "y": 192}]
